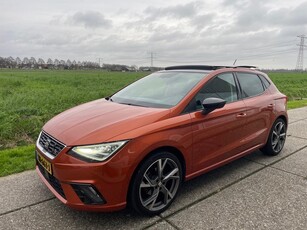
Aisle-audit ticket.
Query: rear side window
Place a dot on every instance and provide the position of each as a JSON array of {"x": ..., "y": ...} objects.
[
  {"x": 251, "y": 84},
  {"x": 265, "y": 81}
]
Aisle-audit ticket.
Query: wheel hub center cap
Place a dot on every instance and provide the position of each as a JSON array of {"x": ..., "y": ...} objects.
[{"x": 159, "y": 183}]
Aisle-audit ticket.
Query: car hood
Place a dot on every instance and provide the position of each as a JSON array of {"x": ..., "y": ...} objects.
[{"x": 100, "y": 120}]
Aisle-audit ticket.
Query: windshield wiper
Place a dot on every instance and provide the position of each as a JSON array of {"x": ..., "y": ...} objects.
[{"x": 132, "y": 104}]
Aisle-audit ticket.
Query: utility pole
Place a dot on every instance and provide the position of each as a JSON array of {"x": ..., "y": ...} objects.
[{"x": 300, "y": 57}]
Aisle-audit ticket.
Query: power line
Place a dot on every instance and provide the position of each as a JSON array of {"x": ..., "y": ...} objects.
[
  {"x": 300, "y": 57},
  {"x": 219, "y": 58}
]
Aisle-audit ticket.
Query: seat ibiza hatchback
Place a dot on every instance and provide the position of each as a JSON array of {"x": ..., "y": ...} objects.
[{"x": 137, "y": 146}]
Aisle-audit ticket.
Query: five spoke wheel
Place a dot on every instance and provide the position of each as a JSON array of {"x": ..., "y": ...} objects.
[
  {"x": 277, "y": 138},
  {"x": 156, "y": 184},
  {"x": 159, "y": 184}
]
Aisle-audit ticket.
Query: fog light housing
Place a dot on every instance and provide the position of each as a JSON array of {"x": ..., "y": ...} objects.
[{"x": 88, "y": 194}]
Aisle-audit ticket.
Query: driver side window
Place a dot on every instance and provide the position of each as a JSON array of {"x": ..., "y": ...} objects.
[{"x": 222, "y": 86}]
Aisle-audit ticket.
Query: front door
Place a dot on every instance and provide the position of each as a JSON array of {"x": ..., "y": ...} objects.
[{"x": 219, "y": 134}]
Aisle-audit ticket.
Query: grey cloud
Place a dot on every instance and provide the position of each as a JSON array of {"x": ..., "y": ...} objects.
[
  {"x": 178, "y": 11},
  {"x": 201, "y": 21},
  {"x": 198, "y": 31},
  {"x": 239, "y": 4},
  {"x": 292, "y": 17},
  {"x": 258, "y": 16},
  {"x": 90, "y": 19},
  {"x": 168, "y": 36}
]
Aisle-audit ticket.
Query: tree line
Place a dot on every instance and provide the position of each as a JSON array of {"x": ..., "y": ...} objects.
[{"x": 32, "y": 63}]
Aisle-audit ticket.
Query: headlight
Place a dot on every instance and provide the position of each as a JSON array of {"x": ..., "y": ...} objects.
[{"x": 96, "y": 153}]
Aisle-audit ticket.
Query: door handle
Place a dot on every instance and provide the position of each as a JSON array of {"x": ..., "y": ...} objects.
[
  {"x": 241, "y": 115},
  {"x": 270, "y": 106}
]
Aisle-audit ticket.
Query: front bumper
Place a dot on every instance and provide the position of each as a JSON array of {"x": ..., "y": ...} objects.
[{"x": 110, "y": 180}]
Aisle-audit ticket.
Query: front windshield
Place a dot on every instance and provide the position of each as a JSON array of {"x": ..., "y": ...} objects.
[{"x": 158, "y": 90}]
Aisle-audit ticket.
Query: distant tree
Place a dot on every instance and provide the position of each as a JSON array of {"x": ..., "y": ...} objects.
[
  {"x": 62, "y": 64},
  {"x": 41, "y": 61},
  {"x": 56, "y": 62},
  {"x": 10, "y": 62},
  {"x": 49, "y": 61},
  {"x": 26, "y": 63},
  {"x": 68, "y": 63},
  {"x": 18, "y": 62},
  {"x": 32, "y": 61},
  {"x": 11, "y": 59},
  {"x": 2, "y": 62}
]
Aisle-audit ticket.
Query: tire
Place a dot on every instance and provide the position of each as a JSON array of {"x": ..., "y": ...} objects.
[
  {"x": 155, "y": 184},
  {"x": 276, "y": 139}
]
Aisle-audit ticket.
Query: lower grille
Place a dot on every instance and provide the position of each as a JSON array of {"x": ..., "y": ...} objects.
[
  {"x": 88, "y": 194},
  {"x": 52, "y": 181}
]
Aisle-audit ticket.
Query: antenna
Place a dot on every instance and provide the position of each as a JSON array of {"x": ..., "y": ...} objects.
[{"x": 234, "y": 62}]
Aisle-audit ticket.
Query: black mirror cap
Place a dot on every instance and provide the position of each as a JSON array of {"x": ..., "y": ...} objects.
[{"x": 212, "y": 103}]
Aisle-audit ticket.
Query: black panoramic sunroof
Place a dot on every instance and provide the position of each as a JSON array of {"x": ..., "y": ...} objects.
[{"x": 206, "y": 67}]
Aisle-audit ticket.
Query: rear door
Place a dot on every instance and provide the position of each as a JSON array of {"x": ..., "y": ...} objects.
[
  {"x": 259, "y": 108},
  {"x": 217, "y": 135}
]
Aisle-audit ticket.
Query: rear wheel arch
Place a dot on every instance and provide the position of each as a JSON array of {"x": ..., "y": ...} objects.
[
  {"x": 284, "y": 118},
  {"x": 279, "y": 136}
]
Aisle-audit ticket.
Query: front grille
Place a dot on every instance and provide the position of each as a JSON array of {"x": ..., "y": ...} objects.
[
  {"x": 50, "y": 144},
  {"x": 54, "y": 182}
]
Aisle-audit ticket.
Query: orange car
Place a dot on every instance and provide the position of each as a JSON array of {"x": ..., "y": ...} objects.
[{"x": 137, "y": 146}]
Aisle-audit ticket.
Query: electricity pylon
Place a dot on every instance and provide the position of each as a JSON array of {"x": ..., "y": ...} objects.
[{"x": 300, "y": 57}]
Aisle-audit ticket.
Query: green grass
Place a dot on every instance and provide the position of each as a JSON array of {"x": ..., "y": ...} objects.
[
  {"x": 16, "y": 160},
  {"x": 294, "y": 85},
  {"x": 30, "y": 98},
  {"x": 297, "y": 104}
]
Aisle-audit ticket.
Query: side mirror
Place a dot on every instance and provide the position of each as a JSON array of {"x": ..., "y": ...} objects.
[{"x": 212, "y": 103}]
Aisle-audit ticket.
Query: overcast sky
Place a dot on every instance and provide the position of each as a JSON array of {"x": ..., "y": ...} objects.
[{"x": 259, "y": 32}]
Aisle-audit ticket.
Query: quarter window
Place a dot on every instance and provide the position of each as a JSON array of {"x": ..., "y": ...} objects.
[
  {"x": 251, "y": 84},
  {"x": 265, "y": 81}
]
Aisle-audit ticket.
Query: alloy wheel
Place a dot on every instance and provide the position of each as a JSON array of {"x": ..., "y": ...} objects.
[
  {"x": 278, "y": 136},
  {"x": 159, "y": 184}
]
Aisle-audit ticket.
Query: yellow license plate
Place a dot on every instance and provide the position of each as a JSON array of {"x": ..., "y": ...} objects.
[{"x": 43, "y": 162}]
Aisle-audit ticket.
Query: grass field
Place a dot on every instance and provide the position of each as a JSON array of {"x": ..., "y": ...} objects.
[
  {"x": 294, "y": 85},
  {"x": 30, "y": 98}
]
